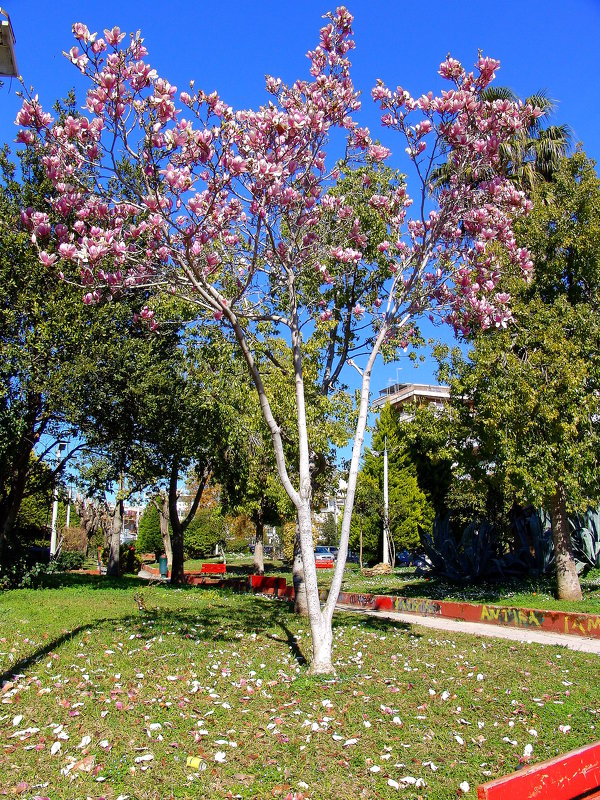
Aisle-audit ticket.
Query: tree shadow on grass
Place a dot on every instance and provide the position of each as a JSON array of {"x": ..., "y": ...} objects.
[
  {"x": 71, "y": 580},
  {"x": 214, "y": 621},
  {"x": 41, "y": 652}
]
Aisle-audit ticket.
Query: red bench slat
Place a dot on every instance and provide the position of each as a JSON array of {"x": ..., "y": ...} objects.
[
  {"x": 324, "y": 564},
  {"x": 572, "y": 776},
  {"x": 213, "y": 569}
]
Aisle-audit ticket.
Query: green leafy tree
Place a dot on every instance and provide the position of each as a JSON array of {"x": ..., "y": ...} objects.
[
  {"x": 42, "y": 333},
  {"x": 533, "y": 390},
  {"x": 410, "y": 510},
  {"x": 329, "y": 531},
  {"x": 367, "y": 520},
  {"x": 149, "y": 538},
  {"x": 204, "y": 533}
]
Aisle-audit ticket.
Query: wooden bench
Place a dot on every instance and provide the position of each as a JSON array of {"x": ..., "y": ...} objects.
[
  {"x": 213, "y": 569},
  {"x": 572, "y": 776}
]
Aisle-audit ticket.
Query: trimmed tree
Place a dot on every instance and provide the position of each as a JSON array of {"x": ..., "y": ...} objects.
[{"x": 234, "y": 215}]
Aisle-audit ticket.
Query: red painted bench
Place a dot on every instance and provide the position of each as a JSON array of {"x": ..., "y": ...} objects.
[
  {"x": 572, "y": 776},
  {"x": 213, "y": 569},
  {"x": 324, "y": 564}
]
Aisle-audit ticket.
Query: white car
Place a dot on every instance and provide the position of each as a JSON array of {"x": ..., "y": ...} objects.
[{"x": 323, "y": 553}]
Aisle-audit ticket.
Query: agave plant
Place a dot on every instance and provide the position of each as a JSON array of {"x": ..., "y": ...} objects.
[
  {"x": 472, "y": 557},
  {"x": 535, "y": 555},
  {"x": 586, "y": 538}
]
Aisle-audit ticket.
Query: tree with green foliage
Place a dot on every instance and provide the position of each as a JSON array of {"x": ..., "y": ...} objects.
[
  {"x": 149, "y": 537},
  {"x": 42, "y": 332},
  {"x": 410, "y": 510},
  {"x": 367, "y": 520},
  {"x": 425, "y": 438},
  {"x": 532, "y": 390},
  {"x": 205, "y": 533}
]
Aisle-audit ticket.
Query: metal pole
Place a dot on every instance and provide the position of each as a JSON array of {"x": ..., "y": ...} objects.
[
  {"x": 386, "y": 518},
  {"x": 68, "y": 519},
  {"x": 54, "y": 526}
]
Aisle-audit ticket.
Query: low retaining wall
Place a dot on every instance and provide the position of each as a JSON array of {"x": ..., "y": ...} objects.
[{"x": 526, "y": 618}]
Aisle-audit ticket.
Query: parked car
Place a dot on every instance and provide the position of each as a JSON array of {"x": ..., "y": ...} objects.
[
  {"x": 352, "y": 557},
  {"x": 324, "y": 553},
  {"x": 420, "y": 561}
]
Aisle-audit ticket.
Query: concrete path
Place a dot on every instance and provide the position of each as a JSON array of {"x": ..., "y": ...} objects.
[{"x": 582, "y": 643}]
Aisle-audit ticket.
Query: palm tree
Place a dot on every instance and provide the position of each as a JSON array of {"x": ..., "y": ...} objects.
[{"x": 533, "y": 155}]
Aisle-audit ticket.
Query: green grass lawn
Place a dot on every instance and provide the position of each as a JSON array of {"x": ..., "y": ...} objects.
[{"x": 109, "y": 701}]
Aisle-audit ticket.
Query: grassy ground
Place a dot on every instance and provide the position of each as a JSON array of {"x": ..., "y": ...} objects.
[
  {"x": 525, "y": 593},
  {"x": 110, "y": 701}
]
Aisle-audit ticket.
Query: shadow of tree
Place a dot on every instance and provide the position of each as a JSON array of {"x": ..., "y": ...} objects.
[
  {"x": 261, "y": 616},
  {"x": 41, "y": 652}
]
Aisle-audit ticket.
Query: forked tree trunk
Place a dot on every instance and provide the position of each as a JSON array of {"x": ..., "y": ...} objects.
[
  {"x": 115, "y": 540},
  {"x": 164, "y": 530},
  {"x": 300, "y": 603},
  {"x": 567, "y": 579},
  {"x": 258, "y": 566},
  {"x": 320, "y": 620}
]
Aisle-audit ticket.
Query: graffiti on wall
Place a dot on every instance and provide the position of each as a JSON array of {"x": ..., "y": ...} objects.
[
  {"x": 585, "y": 626},
  {"x": 362, "y": 600},
  {"x": 417, "y": 605},
  {"x": 520, "y": 618}
]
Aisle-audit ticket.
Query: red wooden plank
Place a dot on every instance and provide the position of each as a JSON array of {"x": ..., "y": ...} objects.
[
  {"x": 214, "y": 569},
  {"x": 324, "y": 564},
  {"x": 567, "y": 777}
]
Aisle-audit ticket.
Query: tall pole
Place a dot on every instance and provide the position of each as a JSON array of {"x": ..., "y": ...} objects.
[
  {"x": 386, "y": 516},
  {"x": 68, "y": 519},
  {"x": 54, "y": 525}
]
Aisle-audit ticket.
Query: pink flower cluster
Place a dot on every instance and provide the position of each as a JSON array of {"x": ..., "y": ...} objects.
[{"x": 231, "y": 208}]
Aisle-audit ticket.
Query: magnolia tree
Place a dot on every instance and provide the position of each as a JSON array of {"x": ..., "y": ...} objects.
[{"x": 237, "y": 214}]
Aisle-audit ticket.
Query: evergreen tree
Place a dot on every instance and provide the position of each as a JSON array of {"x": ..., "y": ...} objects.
[{"x": 149, "y": 538}]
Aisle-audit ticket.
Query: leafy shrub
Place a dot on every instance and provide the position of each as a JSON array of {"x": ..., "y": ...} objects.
[
  {"x": 477, "y": 553},
  {"x": 74, "y": 539},
  {"x": 534, "y": 555},
  {"x": 471, "y": 557},
  {"x": 70, "y": 559},
  {"x": 586, "y": 538},
  {"x": 129, "y": 562},
  {"x": 24, "y": 575},
  {"x": 204, "y": 532},
  {"x": 238, "y": 545}
]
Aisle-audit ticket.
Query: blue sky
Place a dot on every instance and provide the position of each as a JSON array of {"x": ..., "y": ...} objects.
[{"x": 550, "y": 45}]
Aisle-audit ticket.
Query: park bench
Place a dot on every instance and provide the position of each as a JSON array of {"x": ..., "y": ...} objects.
[
  {"x": 571, "y": 776},
  {"x": 324, "y": 564},
  {"x": 213, "y": 569}
]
